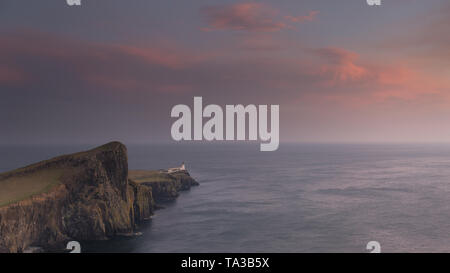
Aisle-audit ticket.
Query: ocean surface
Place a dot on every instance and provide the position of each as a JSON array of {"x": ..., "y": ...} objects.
[{"x": 301, "y": 198}]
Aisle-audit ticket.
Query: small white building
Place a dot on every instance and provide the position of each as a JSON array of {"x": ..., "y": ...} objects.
[{"x": 178, "y": 169}]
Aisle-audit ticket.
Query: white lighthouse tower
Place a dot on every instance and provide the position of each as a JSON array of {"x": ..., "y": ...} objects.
[{"x": 178, "y": 169}]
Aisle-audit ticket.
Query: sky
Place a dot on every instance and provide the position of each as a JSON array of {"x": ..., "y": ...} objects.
[{"x": 341, "y": 71}]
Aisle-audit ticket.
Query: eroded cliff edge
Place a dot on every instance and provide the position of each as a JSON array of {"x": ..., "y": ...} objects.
[{"x": 83, "y": 196}]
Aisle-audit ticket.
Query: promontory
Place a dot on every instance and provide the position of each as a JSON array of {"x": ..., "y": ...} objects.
[{"x": 89, "y": 195}]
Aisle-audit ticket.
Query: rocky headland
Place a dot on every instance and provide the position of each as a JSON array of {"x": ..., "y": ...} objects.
[{"x": 84, "y": 196}]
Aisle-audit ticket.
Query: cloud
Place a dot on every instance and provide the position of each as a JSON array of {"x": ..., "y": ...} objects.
[
  {"x": 353, "y": 81},
  {"x": 251, "y": 16},
  {"x": 9, "y": 75},
  {"x": 341, "y": 65},
  {"x": 429, "y": 43},
  {"x": 50, "y": 81},
  {"x": 173, "y": 60},
  {"x": 303, "y": 18},
  {"x": 242, "y": 16},
  {"x": 68, "y": 68},
  {"x": 53, "y": 63},
  {"x": 404, "y": 83},
  {"x": 260, "y": 43}
]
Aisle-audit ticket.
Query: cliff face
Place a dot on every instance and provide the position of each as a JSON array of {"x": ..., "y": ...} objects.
[
  {"x": 94, "y": 199},
  {"x": 165, "y": 186},
  {"x": 169, "y": 190}
]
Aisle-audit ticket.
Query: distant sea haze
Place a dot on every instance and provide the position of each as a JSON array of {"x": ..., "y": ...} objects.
[{"x": 300, "y": 198}]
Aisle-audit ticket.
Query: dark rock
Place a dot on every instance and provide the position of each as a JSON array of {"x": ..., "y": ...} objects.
[{"x": 95, "y": 200}]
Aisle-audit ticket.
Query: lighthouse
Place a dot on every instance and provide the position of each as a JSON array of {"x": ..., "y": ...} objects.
[{"x": 178, "y": 169}]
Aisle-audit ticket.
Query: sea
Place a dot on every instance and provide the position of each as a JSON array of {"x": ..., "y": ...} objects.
[{"x": 300, "y": 198}]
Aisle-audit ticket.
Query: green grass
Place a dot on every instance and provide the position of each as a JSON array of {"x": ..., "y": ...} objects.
[
  {"x": 23, "y": 186},
  {"x": 143, "y": 176},
  {"x": 41, "y": 177}
]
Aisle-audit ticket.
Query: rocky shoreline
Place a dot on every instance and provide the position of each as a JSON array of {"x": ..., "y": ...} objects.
[{"x": 96, "y": 197}]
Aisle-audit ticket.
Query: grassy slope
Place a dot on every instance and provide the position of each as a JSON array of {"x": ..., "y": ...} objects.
[
  {"x": 22, "y": 183},
  {"x": 144, "y": 176},
  {"x": 19, "y": 187}
]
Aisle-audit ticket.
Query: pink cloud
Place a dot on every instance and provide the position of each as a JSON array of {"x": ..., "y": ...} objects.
[
  {"x": 96, "y": 66},
  {"x": 252, "y": 16},
  {"x": 166, "y": 58},
  {"x": 400, "y": 82},
  {"x": 341, "y": 65},
  {"x": 174, "y": 88},
  {"x": 262, "y": 42},
  {"x": 243, "y": 16},
  {"x": 9, "y": 75},
  {"x": 357, "y": 82},
  {"x": 333, "y": 72},
  {"x": 303, "y": 18}
]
